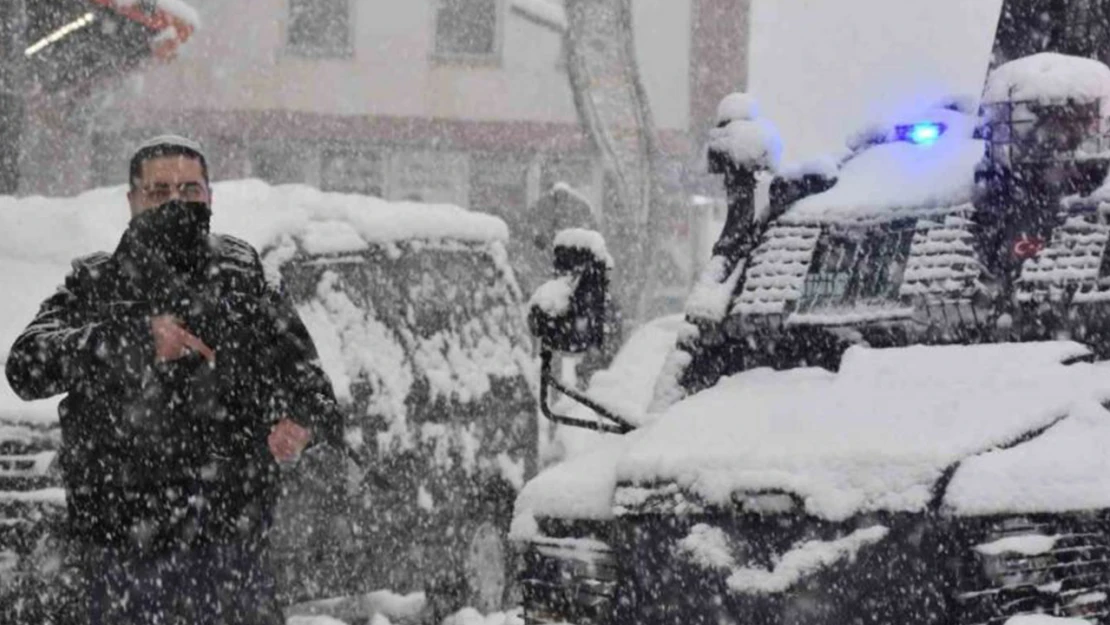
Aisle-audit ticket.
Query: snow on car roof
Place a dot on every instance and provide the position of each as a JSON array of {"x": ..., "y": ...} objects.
[
  {"x": 900, "y": 179},
  {"x": 875, "y": 436},
  {"x": 59, "y": 229},
  {"x": 1048, "y": 76},
  {"x": 40, "y": 236}
]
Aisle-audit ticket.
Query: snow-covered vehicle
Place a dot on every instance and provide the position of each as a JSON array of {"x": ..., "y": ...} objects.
[
  {"x": 889, "y": 404},
  {"x": 417, "y": 318}
]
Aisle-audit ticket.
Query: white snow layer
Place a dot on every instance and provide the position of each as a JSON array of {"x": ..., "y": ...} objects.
[
  {"x": 803, "y": 560},
  {"x": 1044, "y": 619},
  {"x": 582, "y": 485},
  {"x": 1066, "y": 468},
  {"x": 712, "y": 293},
  {"x": 588, "y": 240},
  {"x": 896, "y": 179},
  {"x": 754, "y": 143},
  {"x": 1026, "y": 545},
  {"x": 554, "y": 296},
  {"x": 875, "y": 436},
  {"x": 878, "y": 434},
  {"x": 737, "y": 106},
  {"x": 1049, "y": 76},
  {"x": 707, "y": 546}
]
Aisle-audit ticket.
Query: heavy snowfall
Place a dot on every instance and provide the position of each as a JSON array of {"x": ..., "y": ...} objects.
[{"x": 522, "y": 312}]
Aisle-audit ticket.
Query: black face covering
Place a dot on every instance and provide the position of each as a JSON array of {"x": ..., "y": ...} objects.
[{"x": 176, "y": 232}]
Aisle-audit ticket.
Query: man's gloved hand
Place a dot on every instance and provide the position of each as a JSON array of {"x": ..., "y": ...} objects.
[
  {"x": 287, "y": 440},
  {"x": 172, "y": 341}
]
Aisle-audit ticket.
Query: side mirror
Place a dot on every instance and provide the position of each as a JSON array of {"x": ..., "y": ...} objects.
[{"x": 569, "y": 313}]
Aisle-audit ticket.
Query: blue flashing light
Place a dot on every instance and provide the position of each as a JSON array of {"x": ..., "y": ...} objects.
[{"x": 925, "y": 133}]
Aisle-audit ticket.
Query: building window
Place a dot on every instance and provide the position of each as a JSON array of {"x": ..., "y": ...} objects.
[
  {"x": 857, "y": 267},
  {"x": 320, "y": 28},
  {"x": 468, "y": 30},
  {"x": 352, "y": 171}
]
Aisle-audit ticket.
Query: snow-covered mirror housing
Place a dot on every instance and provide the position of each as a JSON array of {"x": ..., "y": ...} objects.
[
  {"x": 742, "y": 146},
  {"x": 742, "y": 137},
  {"x": 568, "y": 313}
]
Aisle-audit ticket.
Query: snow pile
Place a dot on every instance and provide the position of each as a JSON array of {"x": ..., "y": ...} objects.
[
  {"x": 1048, "y": 77},
  {"x": 588, "y": 240},
  {"x": 627, "y": 385},
  {"x": 897, "y": 179},
  {"x": 1026, "y": 545},
  {"x": 335, "y": 222},
  {"x": 803, "y": 560},
  {"x": 958, "y": 124},
  {"x": 383, "y": 607},
  {"x": 56, "y": 230},
  {"x": 826, "y": 166},
  {"x": 875, "y": 436},
  {"x": 1066, "y": 468},
  {"x": 753, "y": 143},
  {"x": 709, "y": 299},
  {"x": 1044, "y": 619},
  {"x": 737, "y": 107},
  {"x": 708, "y": 547},
  {"x": 470, "y": 616},
  {"x": 582, "y": 485},
  {"x": 579, "y": 488},
  {"x": 554, "y": 296}
]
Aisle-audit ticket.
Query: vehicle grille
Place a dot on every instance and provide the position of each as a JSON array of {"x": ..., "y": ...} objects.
[
  {"x": 568, "y": 580},
  {"x": 1059, "y": 566}
]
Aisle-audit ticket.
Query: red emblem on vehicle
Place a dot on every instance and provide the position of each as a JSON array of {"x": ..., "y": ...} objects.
[{"x": 1026, "y": 247}]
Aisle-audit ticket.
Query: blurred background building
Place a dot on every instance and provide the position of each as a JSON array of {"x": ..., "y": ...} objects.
[{"x": 460, "y": 101}]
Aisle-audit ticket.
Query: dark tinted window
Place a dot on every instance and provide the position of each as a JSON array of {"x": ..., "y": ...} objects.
[
  {"x": 858, "y": 265},
  {"x": 466, "y": 28},
  {"x": 320, "y": 27}
]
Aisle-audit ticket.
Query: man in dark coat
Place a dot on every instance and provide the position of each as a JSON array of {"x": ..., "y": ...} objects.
[{"x": 188, "y": 378}]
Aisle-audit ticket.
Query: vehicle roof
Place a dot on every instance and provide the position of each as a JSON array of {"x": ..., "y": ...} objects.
[{"x": 898, "y": 179}]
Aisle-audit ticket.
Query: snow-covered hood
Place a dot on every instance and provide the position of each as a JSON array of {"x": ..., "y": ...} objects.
[
  {"x": 880, "y": 433},
  {"x": 877, "y": 436}
]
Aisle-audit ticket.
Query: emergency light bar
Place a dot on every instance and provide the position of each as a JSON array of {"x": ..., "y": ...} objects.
[{"x": 925, "y": 133}]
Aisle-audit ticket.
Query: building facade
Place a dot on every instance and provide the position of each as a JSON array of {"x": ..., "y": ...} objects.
[{"x": 461, "y": 101}]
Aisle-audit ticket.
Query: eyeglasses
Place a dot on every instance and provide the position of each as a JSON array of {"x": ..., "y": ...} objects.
[{"x": 188, "y": 191}]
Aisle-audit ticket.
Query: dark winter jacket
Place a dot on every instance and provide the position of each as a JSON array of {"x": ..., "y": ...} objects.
[{"x": 160, "y": 453}]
